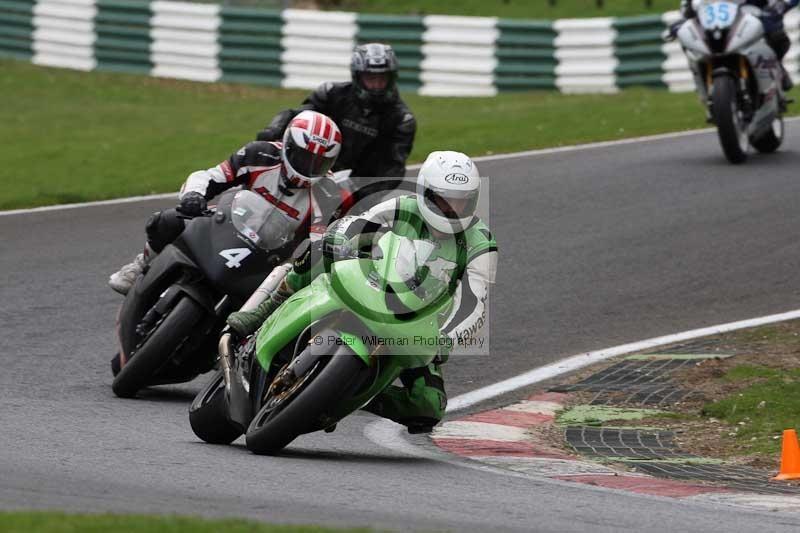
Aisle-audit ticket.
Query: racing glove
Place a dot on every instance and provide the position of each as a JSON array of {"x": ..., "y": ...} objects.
[
  {"x": 269, "y": 134},
  {"x": 193, "y": 204}
]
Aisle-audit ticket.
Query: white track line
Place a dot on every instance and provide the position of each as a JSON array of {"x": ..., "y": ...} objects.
[
  {"x": 584, "y": 359},
  {"x": 496, "y": 157},
  {"x": 129, "y": 200}
]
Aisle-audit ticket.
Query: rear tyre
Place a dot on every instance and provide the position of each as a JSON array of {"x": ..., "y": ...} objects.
[
  {"x": 728, "y": 116},
  {"x": 169, "y": 335},
  {"x": 208, "y": 414},
  {"x": 281, "y": 420},
  {"x": 772, "y": 139}
]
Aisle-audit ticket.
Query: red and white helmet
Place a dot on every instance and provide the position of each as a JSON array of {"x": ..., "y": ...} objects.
[{"x": 311, "y": 144}]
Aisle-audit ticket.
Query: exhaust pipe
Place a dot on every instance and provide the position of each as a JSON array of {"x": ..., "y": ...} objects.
[{"x": 226, "y": 359}]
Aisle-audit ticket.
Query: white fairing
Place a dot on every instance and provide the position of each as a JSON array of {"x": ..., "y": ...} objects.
[
  {"x": 693, "y": 40},
  {"x": 764, "y": 63},
  {"x": 746, "y": 38},
  {"x": 747, "y": 31}
]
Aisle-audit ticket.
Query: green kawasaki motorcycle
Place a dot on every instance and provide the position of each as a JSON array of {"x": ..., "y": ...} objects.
[{"x": 330, "y": 348}]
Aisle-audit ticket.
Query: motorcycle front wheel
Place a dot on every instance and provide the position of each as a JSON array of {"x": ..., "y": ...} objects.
[
  {"x": 298, "y": 407},
  {"x": 731, "y": 127},
  {"x": 156, "y": 349}
]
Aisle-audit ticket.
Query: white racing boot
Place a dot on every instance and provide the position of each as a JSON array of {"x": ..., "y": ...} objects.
[{"x": 123, "y": 280}]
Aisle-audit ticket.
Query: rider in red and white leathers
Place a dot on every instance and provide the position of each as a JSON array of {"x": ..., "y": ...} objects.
[{"x": 282, "y": 172}]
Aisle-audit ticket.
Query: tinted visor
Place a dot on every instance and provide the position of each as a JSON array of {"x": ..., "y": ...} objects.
[
  {"x": 450, "y": 204},
  {"x": 375, "y": 81},
  {"x": 306, "y": 163}
]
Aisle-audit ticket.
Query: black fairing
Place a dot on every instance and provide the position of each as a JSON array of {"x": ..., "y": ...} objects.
[
  {"x": 192, "y": 265},
  {"x": 203, "y": 240}
]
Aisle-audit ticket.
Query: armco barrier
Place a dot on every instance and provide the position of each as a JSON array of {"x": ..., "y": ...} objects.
[
  {"x": 526, "y": 55},
  {"x": 639, "y": 50},
  {"x": 16, "y": 28},
  {"x": 459, "y": 56},
  {"x": 185, "y": 40},
  {"x": 63, "y": 33},
  {"x": 585, "y": 53},
  {"x": 250, "y": 42},
  {"x": 439, "y": 55},
  {"x": 123, "y": 36},
  {"x": 316, "y": 47}
]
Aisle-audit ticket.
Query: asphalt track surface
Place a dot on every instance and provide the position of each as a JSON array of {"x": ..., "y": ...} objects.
[{"x": 598, "y": 247}]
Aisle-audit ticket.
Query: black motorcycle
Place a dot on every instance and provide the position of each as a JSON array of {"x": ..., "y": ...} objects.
[{"x": 171, "y": 318}]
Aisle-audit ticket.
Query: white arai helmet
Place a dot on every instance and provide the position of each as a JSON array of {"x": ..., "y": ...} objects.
[{"x": 448, "y": 186}]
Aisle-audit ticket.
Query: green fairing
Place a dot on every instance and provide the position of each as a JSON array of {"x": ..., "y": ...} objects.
[
  {"x": 290, "y": 319},
  {"x": 359, "y": 287}
]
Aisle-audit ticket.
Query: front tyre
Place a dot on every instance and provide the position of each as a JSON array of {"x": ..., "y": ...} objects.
[
  {"x": 208, "y": 414},
  {"x": 731, "y": 127},
  {"x": 772, "y": 139},
  {"x": 157, "y": 348},
  {"x": 298, "y": 407}
]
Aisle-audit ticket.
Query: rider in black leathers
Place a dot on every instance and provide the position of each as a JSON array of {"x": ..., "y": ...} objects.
[{"x": 377, "y": 127}]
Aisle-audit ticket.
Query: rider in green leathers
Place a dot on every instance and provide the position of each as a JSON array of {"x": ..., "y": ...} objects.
[{"x": 464, "y": 254}]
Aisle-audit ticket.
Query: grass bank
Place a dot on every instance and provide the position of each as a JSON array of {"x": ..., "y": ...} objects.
[
  {"x": 56, "y": 522},
  {"x": 539, "y": 9},
  {"x": 73, "y": 136},
  {"x": 754, "y": 396}
]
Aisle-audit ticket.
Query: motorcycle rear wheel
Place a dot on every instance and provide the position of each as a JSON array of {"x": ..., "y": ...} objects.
[
  {"x": 322, "y": 386},
  {"x": 727, "y": 115},
  {"x": 169, "y": 335},
  {"x": 208, "y": 414}
]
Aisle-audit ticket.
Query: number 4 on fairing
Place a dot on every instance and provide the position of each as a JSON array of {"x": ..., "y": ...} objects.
[{"x": 235, "y": 256}]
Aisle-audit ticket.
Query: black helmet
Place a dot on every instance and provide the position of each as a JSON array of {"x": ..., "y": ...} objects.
[{"x": 374, "y": 72}]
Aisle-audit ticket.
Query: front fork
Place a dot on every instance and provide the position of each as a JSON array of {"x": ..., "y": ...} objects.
[{"x": 703, "y": 73}]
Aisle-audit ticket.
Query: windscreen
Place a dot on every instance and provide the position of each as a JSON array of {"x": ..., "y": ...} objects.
[{"x": 259, "y": 221}]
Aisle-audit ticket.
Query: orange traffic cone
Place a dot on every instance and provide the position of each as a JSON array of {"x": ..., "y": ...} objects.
[{"x": 790, "y": 456}]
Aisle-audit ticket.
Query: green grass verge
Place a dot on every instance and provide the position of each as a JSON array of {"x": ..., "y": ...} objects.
[
  {"x": 537, "y": 9},
  {"x": 762, "y": 410},
  {"x": 55, "y": 522},
  {"x": 73, "y": 136},
  {"x": 770, "y": 335}
]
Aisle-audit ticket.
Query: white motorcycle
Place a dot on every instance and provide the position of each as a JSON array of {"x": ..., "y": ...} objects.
[{"x": 737, "y": 76}]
